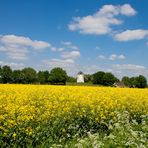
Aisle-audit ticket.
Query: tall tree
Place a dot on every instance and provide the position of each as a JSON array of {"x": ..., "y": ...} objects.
[
  {"x": 58, "y": 76},
  {"x": 17, "y": 76},
  {"x": 46, "y": 76},
  {"x": 0, "y": 74},
  {"x": 71, "y": 79},
  {"x": 140, "y": 81},
  {"x": 88, "y": 78},
  {"x": 6, "y": 74},
  {"x": 41, "y": 77},
  {"x": 29, "y": 75},
  {"x": 109, "y": 79},
  {"x": 97, "y": 77},
  {"x": 127, "y": 81}
]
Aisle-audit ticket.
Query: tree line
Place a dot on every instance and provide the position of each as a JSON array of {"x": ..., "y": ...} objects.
[
  {"x": 139, "y": 81},
  {"x": 29, "y": 76},
  {"x": 59, "y": 76}
]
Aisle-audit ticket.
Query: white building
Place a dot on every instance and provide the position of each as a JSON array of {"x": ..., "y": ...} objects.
[{"x": 80, "y": 77}]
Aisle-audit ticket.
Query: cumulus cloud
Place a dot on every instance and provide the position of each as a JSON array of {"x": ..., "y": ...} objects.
[
  {"x": 57, "y": 49},
  {"x": 13, "y": 65},
  {"x": 70, "y": 54},
  {"x": 63, "y": 63},
  {"x": 112, "y": 57},
  {"x": 130, "y": 67},
  {"x": 116, "y": 57},
  {"x": 127, "y": 10},
  {"x": 130, "y": 35},
  {"x": 100, "y": 23},
  {"x": 69, "y": 45},
  {"x": 16, "y": 47},
  {"x": 101, "y": 57},
  {"x": 130, "y": 70},
  {"x": 24, "y": 41}
]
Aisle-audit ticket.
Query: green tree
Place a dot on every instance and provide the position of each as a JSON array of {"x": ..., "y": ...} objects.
[
  {"x": 87, "y": 78},
  {"x": 6, "y": 74},
  {"x": 17, "y": 76},
  {"x": 41, "y": 77},
  {"x": 0, "y": 74},
  {"x": 109, "y": 79},
  {"x": 71, "y": 79},
  {"x": 29, "y": 75},
  {"x": 97, "y": 78},
  {"x": 46, "y": 76},
  {"x": 127, "y": 81},
  {"x": 140, "y": 82},
  {"x": 57, "y": 76}
]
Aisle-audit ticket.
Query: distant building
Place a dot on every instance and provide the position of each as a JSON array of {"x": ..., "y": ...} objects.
[
  {"x": 119, "y": 84},
  {"x": 80, "y": 77}
]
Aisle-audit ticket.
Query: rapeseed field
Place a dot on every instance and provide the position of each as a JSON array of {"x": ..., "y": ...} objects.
[{"x": 48, "y": 116}]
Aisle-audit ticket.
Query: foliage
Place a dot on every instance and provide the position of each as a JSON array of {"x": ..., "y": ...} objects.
[
  {"x": 29, "y": 75},
  {"x": 123, "y": 133},
  {"x": 87, "y": 78},
  {"x": 102, "y": 78},
  {"x": 139, "y": 82},
  {"x": 17, "y": 76},
  {"x": 98, "y": 77},
  {"x": 46, "y": 76},
  {"x": 0, "y": 74},
  {"x": 6, "y": 74},
  {"x": 48, "y": 116},
  {"x": 40, "y": 77},
  {"x": 109, "y": 79},
  {"x": 57, "y": 76},
  {"x": 126, "y": 80},
  {"x": 71, "y": 79}
]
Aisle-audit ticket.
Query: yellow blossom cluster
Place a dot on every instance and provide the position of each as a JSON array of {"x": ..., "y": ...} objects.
[{"x": 26, "y": 104}]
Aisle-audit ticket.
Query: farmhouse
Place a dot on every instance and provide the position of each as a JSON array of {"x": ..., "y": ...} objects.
[
  {"x": 80, "y": 77},
  {"x": 119, "y": 84}
]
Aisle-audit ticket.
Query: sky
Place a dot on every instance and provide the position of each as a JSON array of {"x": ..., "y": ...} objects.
[{"x": 77, "y": 35}]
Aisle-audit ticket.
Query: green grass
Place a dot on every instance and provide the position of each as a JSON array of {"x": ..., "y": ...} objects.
[{"x": 81, "y": 84}]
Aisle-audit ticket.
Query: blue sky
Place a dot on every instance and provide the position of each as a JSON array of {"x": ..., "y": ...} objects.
[{"x": 86, "y": 35}]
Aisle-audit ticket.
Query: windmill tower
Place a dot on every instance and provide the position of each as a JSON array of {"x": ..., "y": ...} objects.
[{"x": 80, "y": 77}]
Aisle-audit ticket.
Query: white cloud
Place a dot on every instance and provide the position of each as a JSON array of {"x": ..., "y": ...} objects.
[
  {"x": 13, "y": 65},
  {"x": 102, "y": 57},
  {"x": 111, "y": 57},
  {"x": 130, "y": 70},
  {"x": 17, "y": 47},
  {"x": 100, "y": 23},
  {"x": 130, "y": 67},
  {"x": 15, "y": 51},
  {"x": 63, "y": 63},
  {"x": 56, "y": 49},
  {"x": 68, "y": 57},
  {"x": 69, "y": 45},
  {"x": 116, "y": 57},
  {"x": 129, "y": 35},
  {"x": 70, "y": 54},
  {"x": 23, "y": 41},
  {"x": 127, "y": 10}
]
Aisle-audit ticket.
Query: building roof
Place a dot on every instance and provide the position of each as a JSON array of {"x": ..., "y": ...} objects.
[
  {"x": 119, "y": 84},
  {"x": 80, "y": 73}
]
